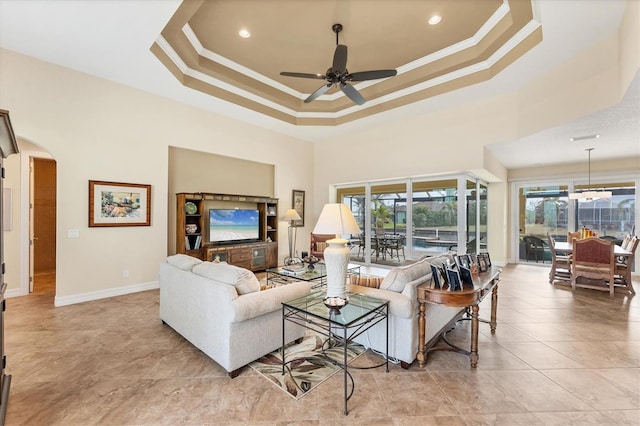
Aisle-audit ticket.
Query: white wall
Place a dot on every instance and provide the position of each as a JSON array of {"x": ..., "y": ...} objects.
[{"x": 100, "y": 130}]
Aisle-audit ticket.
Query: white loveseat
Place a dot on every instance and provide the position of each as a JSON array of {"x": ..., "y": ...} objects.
[
  {"x": 399, "y": 288},
  {"x": 220, "y": 309}
]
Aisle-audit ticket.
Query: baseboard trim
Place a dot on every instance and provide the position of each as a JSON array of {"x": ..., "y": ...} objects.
[
  {"x": 14, "y": 292},
  {"x": 104, "y": 294}
]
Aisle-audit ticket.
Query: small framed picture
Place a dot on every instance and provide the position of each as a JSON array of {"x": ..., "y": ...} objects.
[
  {"x": 297, "y": 203},
  {"x": 463, "y": 260},
  {"x": 455, "y": 284},
  {"x": 482, "y": 263},
  {"x": 119, "y": 204},
  {"x": 436, "y": 277},
  {"x": 465, "y": 276}
]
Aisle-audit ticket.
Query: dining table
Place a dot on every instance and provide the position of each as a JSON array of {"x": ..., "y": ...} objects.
[
  {"x": 567, "y": 248},
  {"x": 618, "y": 251}
]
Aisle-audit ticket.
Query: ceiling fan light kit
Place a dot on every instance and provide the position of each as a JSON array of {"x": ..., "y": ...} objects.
[{"x": 339, "y": 76}]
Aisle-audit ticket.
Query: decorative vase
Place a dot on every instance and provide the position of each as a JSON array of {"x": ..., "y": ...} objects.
[{"x": 191, "y": 228}]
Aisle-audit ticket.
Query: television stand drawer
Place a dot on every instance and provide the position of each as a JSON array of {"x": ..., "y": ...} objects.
[{"x": 241, "y": 255}]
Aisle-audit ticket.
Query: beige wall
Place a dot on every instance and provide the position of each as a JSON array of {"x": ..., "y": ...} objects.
[
  {"x": 96, "y": 129},
  {"x": 196, "y": 171}
]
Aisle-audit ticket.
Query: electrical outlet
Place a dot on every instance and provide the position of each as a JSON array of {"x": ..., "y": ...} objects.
[{"x": 125, "y": 274}]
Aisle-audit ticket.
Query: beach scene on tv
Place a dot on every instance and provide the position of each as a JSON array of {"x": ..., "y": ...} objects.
[{"x": 233, "y": 224}]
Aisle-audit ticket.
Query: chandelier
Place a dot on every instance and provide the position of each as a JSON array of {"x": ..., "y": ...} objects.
[{"x": 589, "y": 194}]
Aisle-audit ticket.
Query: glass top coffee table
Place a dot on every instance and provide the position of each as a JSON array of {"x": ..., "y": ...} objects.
[
  {"x": 318, "y": 275},
  {"x": 342, "y": 326}
]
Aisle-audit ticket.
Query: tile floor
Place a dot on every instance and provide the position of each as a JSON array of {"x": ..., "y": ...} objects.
[{"x": 558, "y": 358}]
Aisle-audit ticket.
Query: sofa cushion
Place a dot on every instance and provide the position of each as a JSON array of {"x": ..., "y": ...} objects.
[
  {"x": 399, "y": 276},
  {"x": 242, "y": 279},
  {"x": 182, "y": 261}
]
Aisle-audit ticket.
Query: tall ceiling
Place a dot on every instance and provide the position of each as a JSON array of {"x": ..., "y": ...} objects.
[{"x": 190, "y": 51}]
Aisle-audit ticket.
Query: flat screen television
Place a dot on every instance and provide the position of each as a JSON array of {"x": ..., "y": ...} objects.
[{"x": 228, "y": 225}]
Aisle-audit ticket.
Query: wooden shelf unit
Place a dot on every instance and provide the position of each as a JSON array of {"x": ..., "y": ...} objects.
[{"x": 256, "y": 256}]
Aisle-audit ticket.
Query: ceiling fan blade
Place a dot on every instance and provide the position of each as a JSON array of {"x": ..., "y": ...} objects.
[
  {"x": 303, "y": 75},
  {"x": 317, "y": 93},
  {"x": 372, "y": 75},
  {"x": 352, "y": 93},
  {"x": 339, "y": 59}
]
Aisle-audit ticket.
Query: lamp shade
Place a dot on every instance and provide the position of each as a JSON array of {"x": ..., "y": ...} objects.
[
  {"x": 336, "y": 219},
  {"x": 291, "y": 214}
]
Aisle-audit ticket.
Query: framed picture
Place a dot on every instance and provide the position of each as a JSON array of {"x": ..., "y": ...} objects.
[
  {"x": 119, "y": 204},
  {"x": 297, "y": 203},
  {"x": 484, "y": 262},
  {"x": 436, "y": 278},
  {"x": 455, "y": 283}
]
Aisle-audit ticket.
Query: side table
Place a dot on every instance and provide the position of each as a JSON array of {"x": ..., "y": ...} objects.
[
  {"x": 361, "y": 313},
  {"x": 468, "y": 297}
]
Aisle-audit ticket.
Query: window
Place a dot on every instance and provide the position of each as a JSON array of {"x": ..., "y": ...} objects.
[{"x": 611, "y": 217}]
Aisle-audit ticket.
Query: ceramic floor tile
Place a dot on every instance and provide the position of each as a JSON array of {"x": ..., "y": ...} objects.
[
  {"x": 623, "y": 417},
  {"x": 524, "y": 419},
  {"x": 596, "y": 354},
  {"x": 575, "y": 418},
  {"x": 536, "y": 392},
  {"x": 540, "y": 356},
  {"x": 595, "y": 390},
  {"x": 543, "y": 332},
  {"x": 473, "y": 392},
  {"x": 505, "y": 333},
  {"x": 628, "y": 378}
]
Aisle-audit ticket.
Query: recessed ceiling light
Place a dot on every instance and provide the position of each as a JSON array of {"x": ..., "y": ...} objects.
[
  {"x": 435, "y": 19},
  {"x": 583, "y": 138},
  {"x": 244, "y": 33}
]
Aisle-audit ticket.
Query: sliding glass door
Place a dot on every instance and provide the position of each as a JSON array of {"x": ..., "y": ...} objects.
[
  {"x": 413, "y": 218},
  {"x": 542, "y": 210}
]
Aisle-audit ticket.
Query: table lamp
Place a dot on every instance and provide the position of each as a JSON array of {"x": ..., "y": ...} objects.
[
  {"x": 336, "y": 219},
  {"x": 291, "y": 216}
]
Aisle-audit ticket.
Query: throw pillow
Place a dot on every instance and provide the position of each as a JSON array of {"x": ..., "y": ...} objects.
[
  {"x": 242, "y": 279},
  {"x": 371, "y": 281},
  {"x": 182, "y": 261}
]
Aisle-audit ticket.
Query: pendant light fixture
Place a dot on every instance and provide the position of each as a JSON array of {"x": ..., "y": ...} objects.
[{"x": 589, "y": 195}]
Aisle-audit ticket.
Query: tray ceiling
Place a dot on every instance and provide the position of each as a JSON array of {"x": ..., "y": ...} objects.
[{"x": 474, "y": 41}]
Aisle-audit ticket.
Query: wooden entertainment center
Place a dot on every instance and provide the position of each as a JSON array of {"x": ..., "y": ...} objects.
[{"x": 192, "y": 233}]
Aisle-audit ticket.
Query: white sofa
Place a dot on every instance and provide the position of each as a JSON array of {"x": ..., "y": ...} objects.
[
  {"x": 220, "y": 309},
  {"x": 399, "y": 288}
]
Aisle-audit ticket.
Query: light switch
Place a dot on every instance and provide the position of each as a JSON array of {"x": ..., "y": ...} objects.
[{"x": 73, "y": 233}]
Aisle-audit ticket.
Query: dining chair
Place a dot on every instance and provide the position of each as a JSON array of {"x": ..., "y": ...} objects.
[
  {"x": 572, "y": 236},
  {"x": 319, "y": 243},
  {"x": 396, "y": 245},
  {"x": 624, "y": 266},
  {"x": 362, "y": 245},
  {"x": 593, "y": 259},
  {"x": 533, "y": 247},
  {"x": 560, "y": 264}
]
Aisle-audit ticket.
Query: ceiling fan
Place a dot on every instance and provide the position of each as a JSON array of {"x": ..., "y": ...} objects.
[{"x": 339, "y": 76}]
